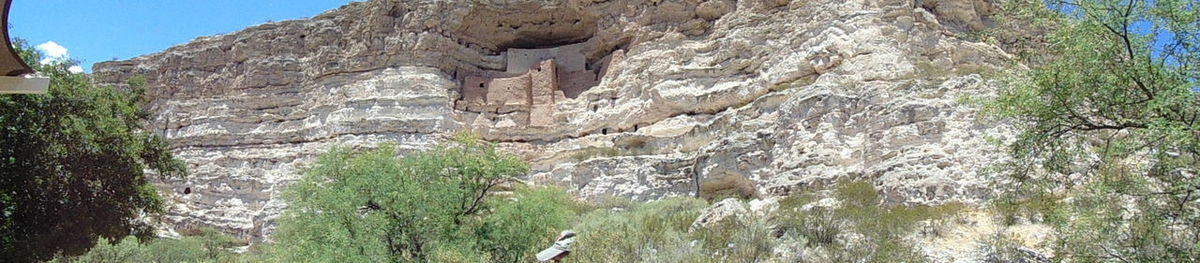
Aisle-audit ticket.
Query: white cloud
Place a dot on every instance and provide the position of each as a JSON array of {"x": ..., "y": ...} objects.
[
  {"x": 53, "y": 51},
  {"x": 75, "y": 69}
]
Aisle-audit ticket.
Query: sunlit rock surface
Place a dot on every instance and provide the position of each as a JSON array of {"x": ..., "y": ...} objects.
[{"x": 790, "y": 95}]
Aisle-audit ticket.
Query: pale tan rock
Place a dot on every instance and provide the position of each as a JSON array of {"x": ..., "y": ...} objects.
[
  {"x": 970, "y": 235},
  {"x": 719, "y": 213},
  {"x": 788, "y": 94},
  {"x": 713, "y": 9}
]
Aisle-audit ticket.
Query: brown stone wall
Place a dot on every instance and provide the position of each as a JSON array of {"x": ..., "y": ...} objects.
[
  {"x": 474, "y": 94},
  {"x": 576, "y": 82},
  {"x": 545, "y": 83},
  {"x": 508, "y": 94}
]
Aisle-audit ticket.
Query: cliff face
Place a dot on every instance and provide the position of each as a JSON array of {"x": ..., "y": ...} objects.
[{"x": 786, "y": 95}]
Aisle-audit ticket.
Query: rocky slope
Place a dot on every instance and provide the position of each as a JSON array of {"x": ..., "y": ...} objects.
[{"x": 786, "y": 95}]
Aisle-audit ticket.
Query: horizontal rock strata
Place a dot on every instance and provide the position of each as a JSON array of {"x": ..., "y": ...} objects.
[{"x": 785, "y": 94}]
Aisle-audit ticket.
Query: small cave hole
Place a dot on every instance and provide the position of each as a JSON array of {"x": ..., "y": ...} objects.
[
  {"x": 187, "y": 190},
  {"x": 604, "y": 131},
  {"x": 635, "y": 128},
  {"x": 595, "y": 108},
  {"x": 481, "y": 84},
  {"x": 396, "y": 12}
]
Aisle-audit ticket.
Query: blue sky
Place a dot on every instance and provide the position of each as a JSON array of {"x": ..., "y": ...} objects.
[{"x": 99, "y": 30}]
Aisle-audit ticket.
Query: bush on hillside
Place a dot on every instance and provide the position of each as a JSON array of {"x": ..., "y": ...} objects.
[
  {"x": 206, "y": 245},
  {"x": 436, "y": 205},
  {"x": 881, "y": 229},
  {"x": 649, "y": 232},
  {"x": 518, "y": 229},
  {"x": 728, "y": 186}
]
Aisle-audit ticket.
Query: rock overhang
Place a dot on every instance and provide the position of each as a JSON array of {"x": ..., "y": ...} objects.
[{"x": 501, "y": 25}]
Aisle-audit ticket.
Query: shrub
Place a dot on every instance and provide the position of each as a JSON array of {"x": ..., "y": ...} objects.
[
  {"x": 745, "y": 240},
  {"x": 818, "y": 226},
  {"x": 518, "y": 229},
  {"x": 658, "y": 232},
  {"x": 207, "y": 246},
  {"x": 728, "y": 186},
  {"x": 457, "y": 253},
  {"x": 1103, "y": 227},
  {"x": 593, "y": 152},
  {"x": 1010, "y": 208},
  {"x": 639, "y": 233},
  {"x": 881, "y": 229},
  {"x": 434, "y": 205}
]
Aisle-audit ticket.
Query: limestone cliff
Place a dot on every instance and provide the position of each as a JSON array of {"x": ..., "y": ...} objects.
[{"x": 784, "y": 94}]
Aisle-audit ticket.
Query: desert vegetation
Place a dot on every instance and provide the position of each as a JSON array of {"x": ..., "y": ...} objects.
[
  {"x": 75, "y": 165},
  {"x": 447, "y": 205},
  {"x": 1104, "y": 99},
  {"x": 1109, "y": 142}
]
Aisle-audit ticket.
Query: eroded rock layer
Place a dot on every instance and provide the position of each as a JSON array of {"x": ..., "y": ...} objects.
[{"x": 783, "y": 94}]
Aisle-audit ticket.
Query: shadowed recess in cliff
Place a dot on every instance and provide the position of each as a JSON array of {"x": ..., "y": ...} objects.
[{"x": 528, "y": 25}]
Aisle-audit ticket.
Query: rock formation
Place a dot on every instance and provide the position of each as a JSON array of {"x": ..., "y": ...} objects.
[{"x": 657, "y": 96}]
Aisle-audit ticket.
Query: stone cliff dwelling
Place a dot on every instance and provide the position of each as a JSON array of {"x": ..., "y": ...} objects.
[{"x": 533, "y": 81}]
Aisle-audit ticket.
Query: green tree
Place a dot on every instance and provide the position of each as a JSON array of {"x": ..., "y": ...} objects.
[
  {"x": 73, "y": 165},
  {"x": 1109, "y": 117},
  {"x": 435, "y": 205},
  {"x": 518, "y": 229}
]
